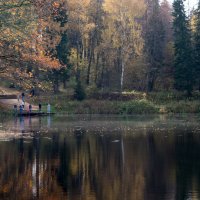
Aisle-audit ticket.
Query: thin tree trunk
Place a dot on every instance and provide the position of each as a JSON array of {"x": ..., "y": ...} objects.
[
  {"x": 77, "y": 64},
  {"x": 64, "y": 84},
  {"x": 89, "y": 69},
  {"x": 90, "y": 55},
  {"x": 100, "y": 83},
  {"x": 151, "y": 81},
  {"x": 122, "y": 75},
  {"x": 56, "y": 86},
  {"x": 96, "y": 69}
]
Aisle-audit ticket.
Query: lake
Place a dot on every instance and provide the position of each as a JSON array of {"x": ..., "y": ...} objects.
[{"x": 100, "y": 157}]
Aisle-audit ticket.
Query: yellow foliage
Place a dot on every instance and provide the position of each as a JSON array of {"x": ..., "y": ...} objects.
[
  {"x": 123, "y": 31},
  {"x": 132, "y": 8}
]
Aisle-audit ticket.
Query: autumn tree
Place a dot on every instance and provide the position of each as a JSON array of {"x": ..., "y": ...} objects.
[
  {"x": 154, "y": 42},
  {"x": 16, "y": 26},
  {"x": 95, "y": 14},
  {"x": 123, "y": 34},
  {"x": 54, "y": 39},
  {"x": 79, "y": 28}
]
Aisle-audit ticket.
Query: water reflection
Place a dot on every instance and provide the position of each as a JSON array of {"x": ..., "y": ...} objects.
[
  {"x": 49, "y": 121},
  {"x": 21, "y": 122},
  {"x": 145, "y": 160}
]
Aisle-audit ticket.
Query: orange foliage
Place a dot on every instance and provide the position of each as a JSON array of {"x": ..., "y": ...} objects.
[
  {"x": 56, "y": 5},
  {"x": 44, "y": 62}
]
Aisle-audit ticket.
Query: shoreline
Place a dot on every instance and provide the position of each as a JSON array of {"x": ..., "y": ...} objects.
[{"x": 121, "y": 108}]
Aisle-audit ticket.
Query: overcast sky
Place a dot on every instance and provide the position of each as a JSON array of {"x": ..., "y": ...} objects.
[{"x": 190, "y": 3}]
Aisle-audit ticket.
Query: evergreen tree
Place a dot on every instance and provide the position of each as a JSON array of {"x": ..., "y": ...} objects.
[
  {"x": 63, "y": 49},
  {"x": 63, "y": 54},
  {"x": 197, "y": 45},
  {"x": 183, "y": 64}
]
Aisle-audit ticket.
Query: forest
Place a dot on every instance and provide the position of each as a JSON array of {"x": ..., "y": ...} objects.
[{"x": 100, "y": 45}]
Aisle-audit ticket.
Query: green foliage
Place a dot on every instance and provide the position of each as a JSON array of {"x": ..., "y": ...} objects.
[{"x": 79, "y": 92}]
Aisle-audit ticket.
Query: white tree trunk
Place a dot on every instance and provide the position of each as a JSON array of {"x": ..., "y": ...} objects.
[{"x": 122, "y": 75}]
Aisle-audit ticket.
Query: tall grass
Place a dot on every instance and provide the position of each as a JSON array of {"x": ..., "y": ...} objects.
[{"x": 138, "y": 107}]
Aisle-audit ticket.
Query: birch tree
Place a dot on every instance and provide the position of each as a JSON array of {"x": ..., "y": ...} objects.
[{"x": 125, "y": 36}]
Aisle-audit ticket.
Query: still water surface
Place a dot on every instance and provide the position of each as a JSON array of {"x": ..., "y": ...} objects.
[{"x": 100, "y": 158}]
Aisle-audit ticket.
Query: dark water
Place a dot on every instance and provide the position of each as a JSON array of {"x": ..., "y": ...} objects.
[{"x": 100, "y": 158}]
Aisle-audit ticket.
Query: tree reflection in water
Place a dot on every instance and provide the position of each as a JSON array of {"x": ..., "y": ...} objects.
[{"x": 148, "y": 162}]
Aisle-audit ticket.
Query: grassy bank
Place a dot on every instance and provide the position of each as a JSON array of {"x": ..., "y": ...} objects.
[
  {"x": 107, "y": 107},
  {"x": 137, "y": 103}
]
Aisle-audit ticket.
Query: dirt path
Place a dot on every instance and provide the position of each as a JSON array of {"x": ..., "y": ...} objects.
[
  {"x": 10, "y": 102},
  {"x": 8, "y": 91}
]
